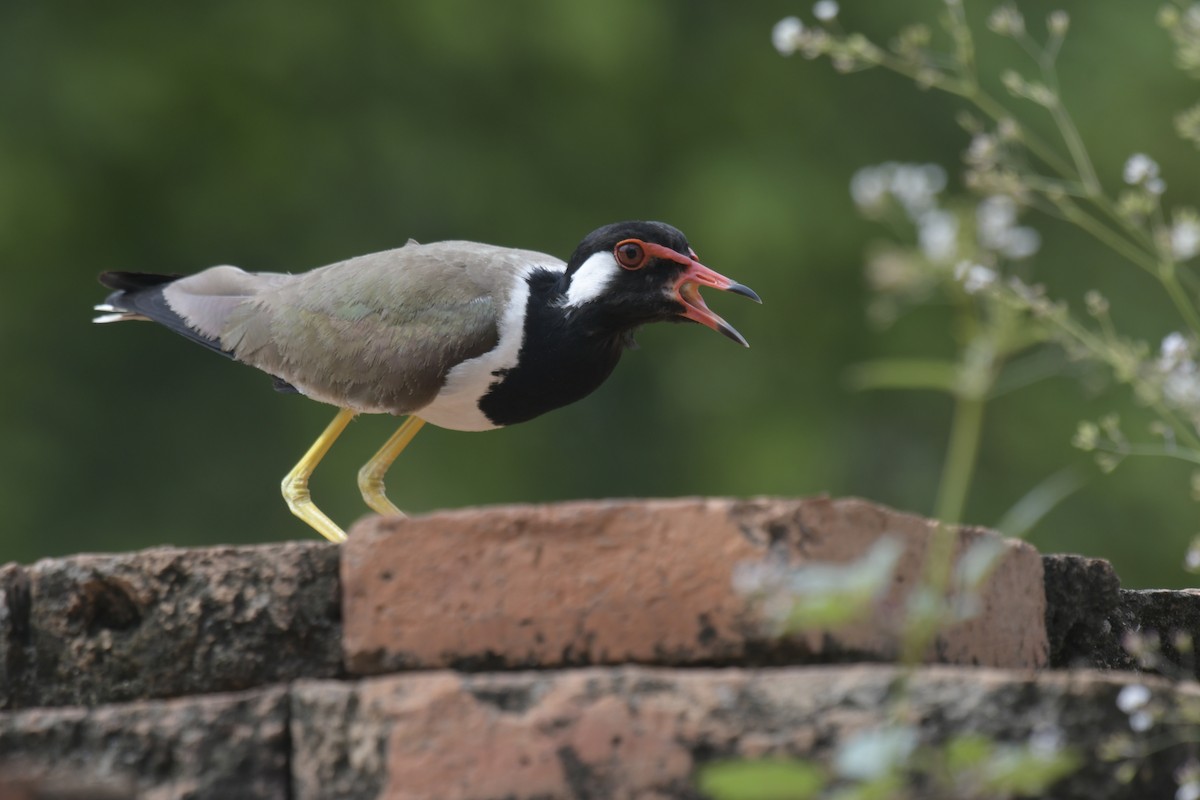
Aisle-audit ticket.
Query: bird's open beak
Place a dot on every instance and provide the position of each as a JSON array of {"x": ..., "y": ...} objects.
[{"x": 687, "y": 289}]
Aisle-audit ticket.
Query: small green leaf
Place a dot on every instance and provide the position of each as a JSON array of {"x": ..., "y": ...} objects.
[
  {"x": 1039, "y": 501},
  {"x": 1027, "y": 370},
  {"x": 967, "y": 752},
  {"x": 761, "y": 780},
  {"x": 1024, "y": 773},
  {"x": 827, "y": 612}
]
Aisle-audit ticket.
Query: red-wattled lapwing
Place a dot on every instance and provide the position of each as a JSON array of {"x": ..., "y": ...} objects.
[{"x": 463, "y": 335}]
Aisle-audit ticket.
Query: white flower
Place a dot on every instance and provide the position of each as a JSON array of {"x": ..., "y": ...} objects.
[
  {"x": 1047, "y": 742},
  {"x": 1188, "y": 791},
  {"x": 1185, "y": 238},
  {"x": 872, "y": 754},
  {"x": 1156, "y": 186},
  {"x": 1058, "y": 22},
  {"x": 1174, "y": 351},
  {"x": 1097, "y": 304},
  {"x": 1181, "y": 388},
  {"x": 786, "y": 35},
  {"x": 1141, "y": 721},
  {"x": 1021, "y": 243},
  {"x": 974, "y": 277},
  {"x": 1006, "y": 21},
  {"x": 1140, "y": 168},
  {"x": 1181, "y": 375},
  {"x": 1191, "y": 561},
  {"x": 825, "y": 10},
  {"x": 982, "y": 149},
  {"x": 869, "y": 187},
  {"x": 1133, "y": 697},
  {"x": 937, "y": 233},
  {"x": 916, "y": 186},
  {"x": 996, "y": 219}
]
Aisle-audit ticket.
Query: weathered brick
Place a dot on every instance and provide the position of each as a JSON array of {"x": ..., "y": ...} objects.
[
  {"x": 14, "y": 634},
  {"x": 1082, "y": 597},
  {"x": 168, "y": 621},
  {"x": 1167, "y": 621},
  {"x": 647, "y": 582},
  {"x": 642, "y": 732},
  {"x": 216, "y": 746}
]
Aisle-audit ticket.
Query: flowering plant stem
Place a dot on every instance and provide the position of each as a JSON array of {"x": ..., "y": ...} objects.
[
  {"x": 963, "y": 82},
  {"x": 961, "y": 455}
]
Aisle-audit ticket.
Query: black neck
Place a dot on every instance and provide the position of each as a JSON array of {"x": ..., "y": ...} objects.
[{"x": 565, "y": 355}]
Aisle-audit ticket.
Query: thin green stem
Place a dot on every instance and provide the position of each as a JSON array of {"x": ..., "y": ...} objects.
[
  {"x": 1103, "y": 352},
  {"x": 1052, "y": 187},
  {"x": 960, "y": 458},
  {"x": 966, "y": 85},
  {"x": 1045, "y": 58},
  {"x": 1138, "y": 234},
  {"x": 1190, "y": 456},
  {"x": 1164, "y": 270},
  {"x": 933, "y": 79},
  {"x": 1083, "y": 171},
  {"x": 1075, "y": 146},
  {"x": 998, "y": 113},
  {"x": 1178, "y": 294},
  {"x": 964, "y": 42},
  {"x": 1124, "y": 247},
  {"x": 924, "y": 623}
]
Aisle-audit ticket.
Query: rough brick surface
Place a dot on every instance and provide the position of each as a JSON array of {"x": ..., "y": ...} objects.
[
  {"x": 576, "y": 584},
  {"x": 216, "y": 746},
  {"x": 36, "y": 785},
  {"x": 1169, "y": 620},
  {"x": 14, "y": 634},
  {"x": 648, "y": 582},
  {"x": 638, "y": 732},
  {"x": 1082, "y": 595},
  {"x": 166, "y": 622},
  {"x": 1091, "y": 621}
]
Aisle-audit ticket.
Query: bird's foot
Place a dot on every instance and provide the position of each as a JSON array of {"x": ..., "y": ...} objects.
[
  {"x": 373, "y": 494},
  {"x": 295, "y": 492}
]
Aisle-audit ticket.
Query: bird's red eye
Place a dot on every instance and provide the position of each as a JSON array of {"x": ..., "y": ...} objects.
[{"x": 630, "y": 254}]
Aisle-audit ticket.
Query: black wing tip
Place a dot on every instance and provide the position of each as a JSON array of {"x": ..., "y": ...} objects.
[{"x": 132, "y": 281}]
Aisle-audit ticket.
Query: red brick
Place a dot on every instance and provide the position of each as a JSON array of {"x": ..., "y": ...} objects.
[
  {"x": 648, "y": 582},
  {"x": 641, "y": 733}
]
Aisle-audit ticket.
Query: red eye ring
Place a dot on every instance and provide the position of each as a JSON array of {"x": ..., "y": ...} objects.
[{"x": 630, "y": 254}]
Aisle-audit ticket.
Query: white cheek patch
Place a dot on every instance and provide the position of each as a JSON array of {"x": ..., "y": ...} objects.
[{"x": 591, "y": 279}]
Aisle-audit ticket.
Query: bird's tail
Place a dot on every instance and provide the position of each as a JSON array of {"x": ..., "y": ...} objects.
[{"x": 113, "y": 308}]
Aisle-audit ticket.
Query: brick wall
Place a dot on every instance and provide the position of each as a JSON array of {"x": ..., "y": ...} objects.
[{"x": 585, "y": 650}]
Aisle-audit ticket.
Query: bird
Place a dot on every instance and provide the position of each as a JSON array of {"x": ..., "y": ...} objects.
[{"x": 457, "y": 334}]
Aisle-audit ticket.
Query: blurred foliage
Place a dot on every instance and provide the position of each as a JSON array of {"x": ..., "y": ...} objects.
[{"x": 283, "y": 136}]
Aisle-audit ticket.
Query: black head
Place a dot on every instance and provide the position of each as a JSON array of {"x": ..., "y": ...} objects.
[
  {"x": 606, "y": 238},
  {"x": 630, "y": 273}
]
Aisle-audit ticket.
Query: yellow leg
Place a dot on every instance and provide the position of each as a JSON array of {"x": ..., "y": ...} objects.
[
  {"x": 295, "y": 485},
  {"x": 370, "y": 477}
]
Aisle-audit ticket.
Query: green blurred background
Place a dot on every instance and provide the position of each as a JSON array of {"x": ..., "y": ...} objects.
[{"x": 286, "y": 135}]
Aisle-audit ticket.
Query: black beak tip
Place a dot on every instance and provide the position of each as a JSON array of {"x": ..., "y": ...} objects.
[
  {"x": 744, "y": 291},
  {"x": 732, "y": 333}
]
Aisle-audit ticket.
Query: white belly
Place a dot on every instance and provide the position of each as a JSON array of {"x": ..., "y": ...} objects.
[{"x": 457, "y": 404}]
